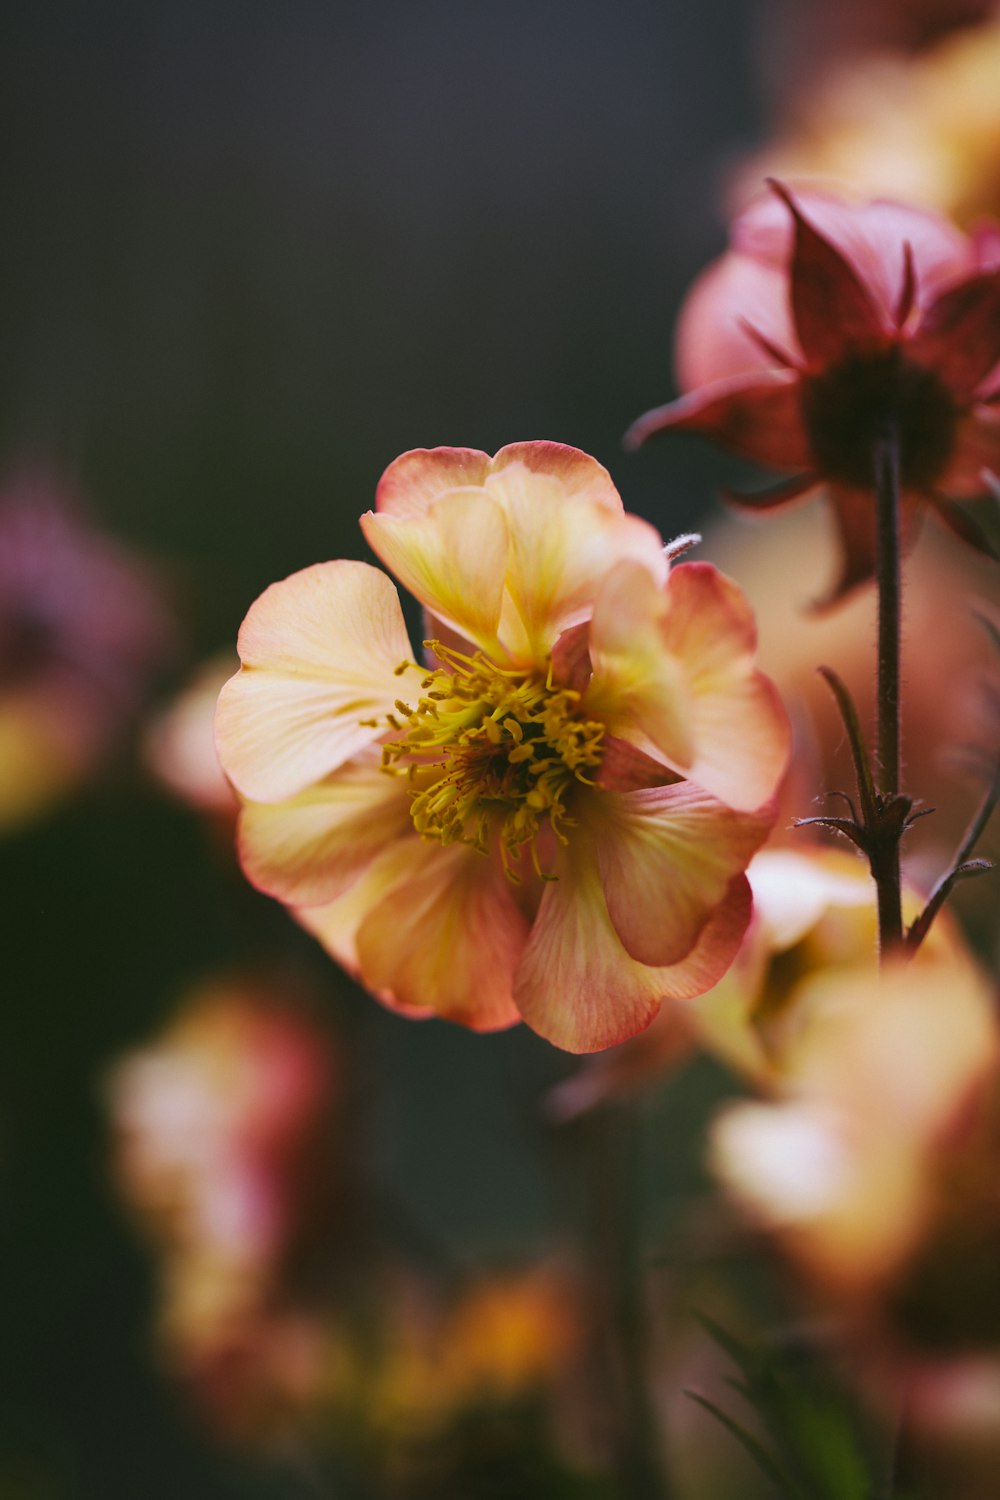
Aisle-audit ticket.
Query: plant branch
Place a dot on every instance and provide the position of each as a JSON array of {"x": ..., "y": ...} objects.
[{"x": 961, "y": 867}]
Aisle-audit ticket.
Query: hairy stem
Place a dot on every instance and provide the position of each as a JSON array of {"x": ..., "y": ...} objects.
[{"x": 884, "y": 854}]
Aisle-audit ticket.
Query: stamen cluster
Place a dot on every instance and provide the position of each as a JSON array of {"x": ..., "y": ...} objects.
[{"x": 508, "y": 746}]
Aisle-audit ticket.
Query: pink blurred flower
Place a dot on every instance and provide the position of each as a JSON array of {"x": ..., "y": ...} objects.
[
  {"x": 180, "y": 743},
  {"x": 82, "y": 624},
  {"x": 575, "y": 783},
  {"x": 826, "y": 323},
  {"x": 223, "y": 1141}
]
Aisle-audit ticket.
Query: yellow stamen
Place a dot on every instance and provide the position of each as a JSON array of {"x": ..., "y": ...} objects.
[{"x": 488, "y": 748}]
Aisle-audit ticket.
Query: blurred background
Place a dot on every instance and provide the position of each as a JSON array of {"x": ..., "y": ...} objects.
[{"x": 249, "y": 255}]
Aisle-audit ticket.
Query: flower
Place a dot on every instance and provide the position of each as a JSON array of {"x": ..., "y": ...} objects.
[
  {"x": 847, "y": 1166},
  {"x": 548, "y": 821},
  {"x": 814, "y": 914},
  {"x": 179, "y": 743},
  {"x": 82, "y": 626},
  {"x": 828, "y": 324}
]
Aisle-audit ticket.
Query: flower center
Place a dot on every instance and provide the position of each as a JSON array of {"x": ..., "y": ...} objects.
[
  {"x": 848, "y": 407},
  {"x": 486, "y": 749}
]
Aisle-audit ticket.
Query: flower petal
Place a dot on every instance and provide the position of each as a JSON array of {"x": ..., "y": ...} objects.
[
  {"x": 959, "y": 335},
  {"x": 567, "y": 527},
  {"x": 578, "y": 987},
  {"x": 416, "y": 480},
  {"x": 976, "y": 447},
  {"x": 451, "y": 556},
  {"x": 310, "y": 848},
  {"x": 447, "y": 937},
  {"x": 674, "y": 669},
  {"x": 757, "y": 416},
  {"x": 637, "y": 688},
  {"x": 738, "y": 726},
  {"x": 667, "y": 856},
  {"x": 832, "y": 307},
  {"x": 854, "y": 514},
  {"x": 319, "y": 651}
]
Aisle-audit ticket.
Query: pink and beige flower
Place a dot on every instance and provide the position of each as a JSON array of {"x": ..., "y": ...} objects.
[
  {"x": 550, "y": 819},
  {"x": 846, "y": 1167},
  {"x": 826, "y": 324}
]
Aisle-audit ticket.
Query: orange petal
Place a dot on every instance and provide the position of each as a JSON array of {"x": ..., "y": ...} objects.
[
  {"x": 310, "y": 848},
  {"x": 319, "y": 651},
  {"x": 447, "y": 937},
  {"x": 576, "y": 984},
  {"x": 451, "y": 556},
  {"x": 667, "y": 856}
]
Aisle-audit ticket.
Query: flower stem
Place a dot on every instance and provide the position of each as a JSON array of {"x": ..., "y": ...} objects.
[
  {"x": 639, "y": 1464},
  {"x": 884, "y": 854}
]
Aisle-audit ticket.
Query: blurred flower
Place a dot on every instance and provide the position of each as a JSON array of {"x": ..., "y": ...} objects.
[
  {"x": 825, "y": 326},
  {"x": 180, "y": 743},
  {"x": 848, "y": 1165},
  {"x": 813, "y": 914},
  {"x": 225, "y": 1150},
  {"x": 553, "y": 826},
  {"x": 926, "y": 128},
  {"x": 82, "y": 625}
]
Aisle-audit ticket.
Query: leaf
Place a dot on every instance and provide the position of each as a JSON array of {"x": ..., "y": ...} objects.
[{"x": 767, "y": 1464}]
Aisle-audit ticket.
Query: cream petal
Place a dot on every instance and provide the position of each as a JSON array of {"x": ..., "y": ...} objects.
[
  {"x": 452, "y": 558},
  {"x": 335, "y": 924},
  {"x": 739, "y": 727},
  {"x": 676, "y": 669},
  {"x": 416, "y": 480},
  {"x": 578, "y": 987},
  {"x": 667, "y": 856},
  {"x": 319, "y": 651},
  {"x": 310, "y": 848},
  {"x": 565, "y": 532},
  {"x": 637, "y": 687},
  {"x": 447, "y": 937}
]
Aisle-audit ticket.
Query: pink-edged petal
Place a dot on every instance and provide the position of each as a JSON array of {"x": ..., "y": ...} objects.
[
  {"x": 416, "y": 480},
  {"x": 739, "y": 730},
  {"x": 667, "y": 856},
  {"x": 581, "y": 477},
  {"x": 309, "y": 849},
  {"x": 335, "y": 923},
  {"x": 452, "y": 558},
  {"x": 578, "y": 987},
  {"x": 319, "y": 653},
  {"x": 757, "y": 416},
  {"x": 638, "y": 688},
  {"x": 567, "y": 528},
  {"x": 854, "y": 516},
  {"x": 626, "y": 768},
  {"x": 976, "y": 447},
  {"x": 447, "y": 937},
  {"x": 959, "y": 335},
  {"x": 832, "y": 307}
]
